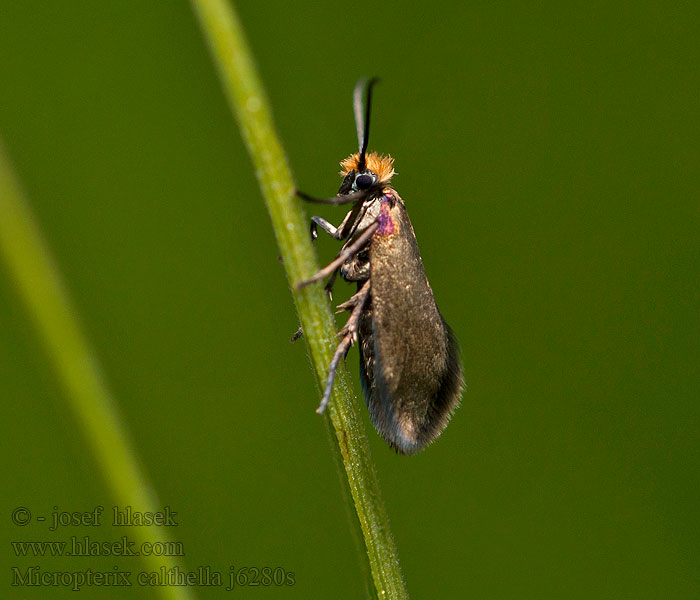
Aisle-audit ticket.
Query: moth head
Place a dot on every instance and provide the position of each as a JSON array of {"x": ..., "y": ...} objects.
[
  {"x": 364, "y": 171},
  {"x": 377, "y": 172}
]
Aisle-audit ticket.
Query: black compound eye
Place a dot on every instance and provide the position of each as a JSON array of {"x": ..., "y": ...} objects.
[{"x": 364, "y": 181}]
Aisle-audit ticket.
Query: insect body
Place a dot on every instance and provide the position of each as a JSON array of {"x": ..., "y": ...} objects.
[{"x": 410, "y": 368}]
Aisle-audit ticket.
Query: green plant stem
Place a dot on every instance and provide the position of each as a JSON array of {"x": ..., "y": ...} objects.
[
  {"x": 249, "y": 105},
  {"x": 39, "y": 284}
]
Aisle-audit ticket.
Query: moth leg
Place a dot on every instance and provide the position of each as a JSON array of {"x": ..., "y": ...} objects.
[
  {"x": 335, "y": 232},
  {"x": 344, "y": 230},
  {"x": 329, "y": 228},
  {"x": 344, "y": 199},
  {"x": 352, "y": 302},
  {"x": 349, "y": 333},
  {"x": 329, "y": 284},
  {"x": 341, "y": 307},
  {"x": 353, "y": 219},
  {"x": 343, "y": 255}
]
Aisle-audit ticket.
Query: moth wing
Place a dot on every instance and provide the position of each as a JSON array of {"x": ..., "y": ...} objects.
[{"x": 411, "y": 372}]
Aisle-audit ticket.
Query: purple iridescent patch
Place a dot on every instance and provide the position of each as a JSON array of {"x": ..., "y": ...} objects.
[{"x": 387, "y": 226}]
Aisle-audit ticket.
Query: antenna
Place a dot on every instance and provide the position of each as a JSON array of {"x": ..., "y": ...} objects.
[{"x": 362, "y": 124}]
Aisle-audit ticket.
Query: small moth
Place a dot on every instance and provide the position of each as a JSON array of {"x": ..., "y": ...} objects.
[{"x": 410, "y": 367}]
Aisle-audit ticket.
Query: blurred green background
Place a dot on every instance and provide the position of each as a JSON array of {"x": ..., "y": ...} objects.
[{"x": 548, "y": 155}]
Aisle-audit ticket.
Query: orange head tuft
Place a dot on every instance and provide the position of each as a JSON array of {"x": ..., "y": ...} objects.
[{"x": 382, "y": 166}]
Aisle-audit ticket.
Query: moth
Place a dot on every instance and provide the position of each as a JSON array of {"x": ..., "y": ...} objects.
[{"x": 410, "y": 367}]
